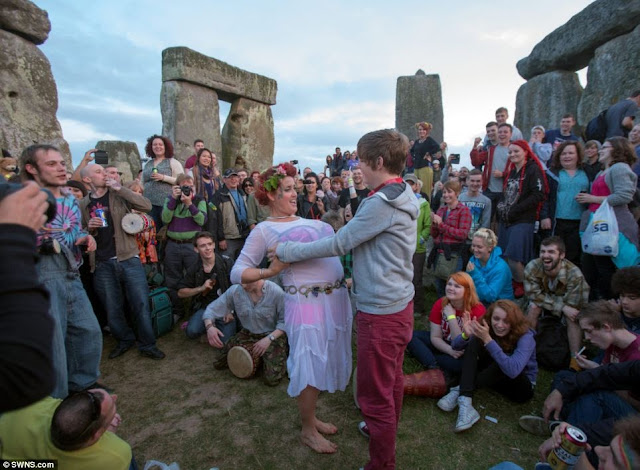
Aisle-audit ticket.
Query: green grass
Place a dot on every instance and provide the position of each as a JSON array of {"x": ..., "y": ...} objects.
[{"x": 181, "y": 409}]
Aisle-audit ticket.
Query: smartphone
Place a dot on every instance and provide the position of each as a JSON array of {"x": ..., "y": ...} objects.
[
  {"x": 455, "y": 158},
  {"x": 101, "y": 157}
]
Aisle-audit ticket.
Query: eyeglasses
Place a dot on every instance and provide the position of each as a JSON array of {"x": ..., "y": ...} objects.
[{"x": 248, "y": 186}]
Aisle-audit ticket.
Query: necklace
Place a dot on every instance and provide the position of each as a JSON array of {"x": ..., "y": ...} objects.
[{"x": 280, "y": 217}]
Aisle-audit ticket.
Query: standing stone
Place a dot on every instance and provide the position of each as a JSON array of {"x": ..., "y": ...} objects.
[
  {"x": 544, "y": 99},
  {"x": 124, "y": 155},
  {"x": 25, "y": 19},
  {"x": 419, "y": 98},
  {"x": 28, "y": 98},
  {"x": 612, "y": 75},
  {"x": 248, "y": 132},
  {"x": 571, "y": 46},
  {"x": 190, "y": 112}
]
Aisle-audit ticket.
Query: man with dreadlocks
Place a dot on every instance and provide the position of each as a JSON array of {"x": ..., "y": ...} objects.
[{"x": 525, "y": 187}]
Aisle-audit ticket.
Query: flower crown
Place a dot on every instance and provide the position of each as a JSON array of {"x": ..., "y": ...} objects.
[{"x": 272, "y": 183}]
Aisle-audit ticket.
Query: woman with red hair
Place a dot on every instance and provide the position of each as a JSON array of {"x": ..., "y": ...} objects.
[
  {"x": 433, "y": 348},
  {"x": 525, "y": 188},
  {"x": 499, "y": 352},
  {"x": 317, "y": 307}
]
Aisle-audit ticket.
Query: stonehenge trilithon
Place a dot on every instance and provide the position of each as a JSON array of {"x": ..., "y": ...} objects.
[
  {"x": 28, "y": 94},
  {"x": 192, "y": 85},
  {"x": 419, "y": 98}
]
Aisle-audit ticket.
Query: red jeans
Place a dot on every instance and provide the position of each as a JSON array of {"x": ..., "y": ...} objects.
[{"x": 382, "y": 340}]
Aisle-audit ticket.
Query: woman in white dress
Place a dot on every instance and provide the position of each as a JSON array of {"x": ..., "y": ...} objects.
[{"x": 317, "y": 308}]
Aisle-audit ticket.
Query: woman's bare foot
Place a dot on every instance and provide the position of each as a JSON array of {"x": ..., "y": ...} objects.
[
  {"x": 318, "y": 443},
  {"x": 325, "y": 428}
]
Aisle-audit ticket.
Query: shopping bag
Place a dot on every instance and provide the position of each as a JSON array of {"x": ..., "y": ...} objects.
[{"x": 601, "y": 234}]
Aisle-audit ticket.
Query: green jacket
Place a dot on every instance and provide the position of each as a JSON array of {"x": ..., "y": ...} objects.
[{"x": 424, "y": 225}]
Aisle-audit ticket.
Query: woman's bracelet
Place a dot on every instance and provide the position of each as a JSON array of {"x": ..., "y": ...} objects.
[{"x": 451, "y": 317}]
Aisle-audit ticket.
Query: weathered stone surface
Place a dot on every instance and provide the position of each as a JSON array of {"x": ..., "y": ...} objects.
[
  {"x": 248, "y": 132},
  {"x": 182, "y": 63},
  {"x": 419, "y": 98},
  {"x": 612, "y": 75},
  {"x": 572, "y": 45},
  {"x": 190, "y": 112},
  {"x": 25, "y": 19},
  {"x": 544, "y": 99},
  {"x": 28, "y": 97},
  {"x": 124, "y": 155}
]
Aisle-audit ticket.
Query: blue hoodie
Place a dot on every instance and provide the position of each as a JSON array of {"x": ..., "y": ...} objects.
[{"x": 492, "y": 281}]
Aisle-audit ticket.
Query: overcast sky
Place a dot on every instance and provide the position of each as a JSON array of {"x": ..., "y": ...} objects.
[{"x": 336, "y": 62}]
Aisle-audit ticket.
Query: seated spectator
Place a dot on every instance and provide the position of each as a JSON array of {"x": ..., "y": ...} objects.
[
  {"x": 490, "y": 273},
  {"x": 205, "y": 281},
  {"x": 260, "y": 308},
  {"x": 625, "y": 283},
  {"x": 561, "y": 212},
  {"x": 525, "y": 187},
  {"x": 449, "y": 228},
  {"x": 420, "y": 255},
  {"x": 499, "y": 352},
  {"x": 542, "y": 150},
  {"x": 589, "y": 401},
  {"x": 555, "y": 286},
  {"x": 433, "y": 348},
  {"x": 602, "y": 326},
  {"x": 78, "y": 432}
]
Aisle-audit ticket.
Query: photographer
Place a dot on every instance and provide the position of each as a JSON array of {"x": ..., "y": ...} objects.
[
  {"x": 232, "y": 202},
  {"x": 184, "y": 213},
  {"x": 77, "y": 340}
]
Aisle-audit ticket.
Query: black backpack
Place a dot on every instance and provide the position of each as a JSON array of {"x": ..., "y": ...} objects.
[
  {"x": 597, "y": 127},
  {"x": 552, "y": 344}
]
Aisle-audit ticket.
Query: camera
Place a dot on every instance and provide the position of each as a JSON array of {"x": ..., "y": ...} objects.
[
  {"x": 8, "y": 188},
  {"x": 455, "y": 158},
  {"x": 186, "y": 190},
  {"x": 294, "y": 162},
  {"x": 101, "y": 157}
]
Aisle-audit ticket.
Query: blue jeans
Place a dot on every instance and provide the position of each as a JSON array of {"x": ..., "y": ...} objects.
[
  {"x": 113, "y": 281},
  {"x": 440, "y": 284},
  {"x": 77, "y": 339},
  {"x": 424, "y": 351},
  {"x": 195, "y": 326}
]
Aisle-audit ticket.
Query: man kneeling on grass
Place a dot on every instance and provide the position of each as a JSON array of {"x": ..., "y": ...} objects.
[{"x": 259, "y": 306}]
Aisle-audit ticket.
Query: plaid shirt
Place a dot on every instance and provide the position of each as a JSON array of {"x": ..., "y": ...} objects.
[
  {"x": 455, "y": 226},
  {"x": 570, "y": 287}
]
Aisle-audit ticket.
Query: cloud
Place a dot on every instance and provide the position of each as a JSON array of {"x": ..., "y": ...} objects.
[{"x": 76, "y": 131}]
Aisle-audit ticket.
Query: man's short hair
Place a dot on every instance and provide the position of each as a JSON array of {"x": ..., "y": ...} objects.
[
  {"x": 198, "y": 140},
  {"x": 626, "y": 281},
  {"x": 452, "y": 186},
  {"x": 389, "y": 144},
  {"x": 491, "y": 124},
  {"x": 502, "y": 110},
  {"x": 600, "y": 312},
  {"x": 504, "y": 124},
  {"x": 182, "y": 177},
  {"x": 203, "y": 234},
  {"x": 568, "y": 116},
  {"x": 29, "y": 156},
  {"x": 76, "y": 420},
  {"x": 555, "y": 241},
  {"x": 475, "y": 171}
]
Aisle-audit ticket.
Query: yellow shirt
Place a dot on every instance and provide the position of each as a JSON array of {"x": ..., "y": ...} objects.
[{"x": 25, "y": 434}]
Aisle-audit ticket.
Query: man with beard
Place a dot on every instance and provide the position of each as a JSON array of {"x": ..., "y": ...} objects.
[
  {"x": 555, "y": 286},
  {"x": 361, "y": 192}
]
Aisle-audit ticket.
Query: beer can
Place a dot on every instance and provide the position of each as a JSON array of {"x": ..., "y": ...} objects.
[
  {"x": 154, "y": 170},
  {"x": 573, "y": 443},
  {"x": 101, "y": 213}
]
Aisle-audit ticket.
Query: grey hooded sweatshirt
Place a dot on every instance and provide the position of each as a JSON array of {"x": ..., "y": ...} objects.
[{"x": 382, "y": 236}]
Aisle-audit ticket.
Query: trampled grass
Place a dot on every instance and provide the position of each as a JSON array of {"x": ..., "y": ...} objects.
[{"x": 181, "y": 409}]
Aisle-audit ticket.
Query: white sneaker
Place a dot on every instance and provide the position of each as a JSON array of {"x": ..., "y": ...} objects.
[
  {"x": 467, "y": 415},
  {"x": 450, "y": 400}
]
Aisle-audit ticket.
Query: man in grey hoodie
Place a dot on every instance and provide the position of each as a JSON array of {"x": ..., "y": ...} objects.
[{"x": 382, "y": 236}]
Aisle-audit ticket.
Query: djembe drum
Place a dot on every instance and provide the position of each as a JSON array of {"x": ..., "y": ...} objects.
[
  {"x": 243, "y": 362},
  {"x": 428, "y": 383}
]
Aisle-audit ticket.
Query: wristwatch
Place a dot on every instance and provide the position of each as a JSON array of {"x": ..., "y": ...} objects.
[{"x": 272, "y": 338}]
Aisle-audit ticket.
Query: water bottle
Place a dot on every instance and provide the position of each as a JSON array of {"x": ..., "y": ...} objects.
[{"x": 352, "y": 189}]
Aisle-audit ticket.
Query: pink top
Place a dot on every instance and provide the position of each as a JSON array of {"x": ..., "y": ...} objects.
[{"x": 599, "y": 188}]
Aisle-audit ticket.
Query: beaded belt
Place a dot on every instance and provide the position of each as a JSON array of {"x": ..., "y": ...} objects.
[{"x": 315, "y": 289}]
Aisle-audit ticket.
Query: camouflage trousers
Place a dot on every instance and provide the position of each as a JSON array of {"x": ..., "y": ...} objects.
[{"x": 274, "y": 359}]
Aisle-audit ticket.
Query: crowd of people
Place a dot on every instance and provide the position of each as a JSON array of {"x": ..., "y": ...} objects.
[{"x": 281, "y": 262}]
